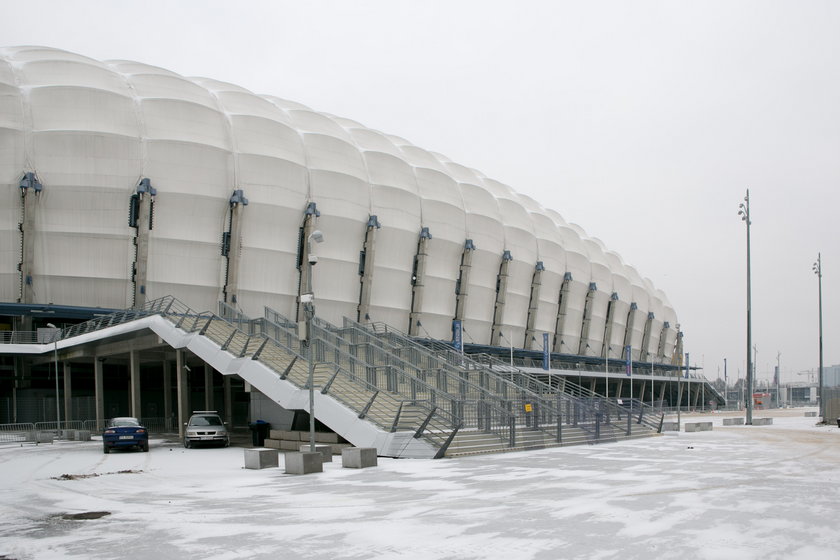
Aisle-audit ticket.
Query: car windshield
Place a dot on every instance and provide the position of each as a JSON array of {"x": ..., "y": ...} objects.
[
  {"x": 121, "y": 422},
  {"x": 206, "y": 421}
]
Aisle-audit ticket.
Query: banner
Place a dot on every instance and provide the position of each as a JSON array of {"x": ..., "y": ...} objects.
[
  {"x": 629, "y": 362},
  {"x": 457, "y": 339},
  {"x": 546, "y": 354}
]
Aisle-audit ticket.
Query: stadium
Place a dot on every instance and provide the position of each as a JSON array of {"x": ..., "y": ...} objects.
[{"x": 172, "y": 243}]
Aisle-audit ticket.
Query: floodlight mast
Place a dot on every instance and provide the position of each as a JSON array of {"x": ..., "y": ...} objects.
[
  {"x": 818, "y": 272},
  {"x": 744, "y": 212}
]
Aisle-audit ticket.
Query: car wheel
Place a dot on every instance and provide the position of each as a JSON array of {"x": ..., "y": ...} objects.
[
  {"x": 187, "y": 443},
  {"x": 226, "y": 443},
  {"x": 106, "y": 449},
  {"x": 145, "y": 447}
]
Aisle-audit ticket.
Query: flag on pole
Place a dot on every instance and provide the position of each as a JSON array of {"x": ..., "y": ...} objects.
[
  {"x": 546, "y": 357},
  {"x": 629, "y": 362}
]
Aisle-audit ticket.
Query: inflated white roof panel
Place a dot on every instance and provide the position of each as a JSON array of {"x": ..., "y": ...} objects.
[{"x": 91, "y": 130}]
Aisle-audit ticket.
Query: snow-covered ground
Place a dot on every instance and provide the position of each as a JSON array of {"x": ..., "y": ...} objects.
[{"x": 735, "y": 492}]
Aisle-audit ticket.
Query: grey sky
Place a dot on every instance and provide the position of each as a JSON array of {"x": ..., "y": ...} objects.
[{"x": 644, "y": 122}]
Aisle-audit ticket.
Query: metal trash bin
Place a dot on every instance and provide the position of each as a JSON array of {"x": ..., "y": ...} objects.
[{"x": 259, "y": 431}]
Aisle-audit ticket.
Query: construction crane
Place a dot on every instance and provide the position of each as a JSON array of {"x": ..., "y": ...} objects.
[{"x": 810, "y": 373}]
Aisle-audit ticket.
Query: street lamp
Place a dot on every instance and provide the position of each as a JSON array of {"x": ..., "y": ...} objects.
[
  {"x": 308, "y": 300},
  {"x": 818, "y": 272},
  {"x": 744, "y": 212},
  {"x": 55, "y": 355}
]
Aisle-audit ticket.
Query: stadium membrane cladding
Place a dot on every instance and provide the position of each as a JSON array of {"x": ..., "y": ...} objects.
[{"x": 124, "y": 182}]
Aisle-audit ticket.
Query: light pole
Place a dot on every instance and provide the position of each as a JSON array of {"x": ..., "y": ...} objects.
[
  {"x": 308, "y": 300},
  {"x": 55, "y": 355},
  {"x": 818, "y": 272},
  {"x": 744, "y": 212}
]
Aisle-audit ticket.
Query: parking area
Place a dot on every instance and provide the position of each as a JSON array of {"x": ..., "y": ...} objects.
[{"x": 733, "y": 492}]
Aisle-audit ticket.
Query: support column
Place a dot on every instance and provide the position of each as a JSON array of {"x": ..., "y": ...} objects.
[
  {"x": 68, "y": 393},
  {"x": 134, "y": 361},
  {"x": 642, "y": 392},
  {"x": 660, "y": 351},
  {"x": 661, "y": 392},
  {"x": 208, "y": 387},
  {"x": 309, "y": 217},
  {"x": 99, "y": 392},
  {"x": 167, "y": 395},
  {"x": 140, "y": 218},
  {"x": 366, "y": 259},
  {"x": 501, "y": 292},
  {"x": 587, "y": 320},
  {"x": 30, "y": 190},
  {"x": 462, "y": 286},
  {"x": 228, "y": 401},
  {"x": 676, "y": 359},
  {"x": 592, "y": 384},
  {"x": 679, "y": 394},
  {"x": 643, "y": 351},
  {"x": 232, "y": 246},
  {"x": 608, "y": 326},
  {"x": 562, "y": 306},
  {"x": 631, "y": 322},
  {"x": 619, "y": 388},
  {"x": 533, "y": 305},
  {"x": 696, "y": 395},
  {"x": 418, "y": 281},
  {"x": 183, "y": 391}
]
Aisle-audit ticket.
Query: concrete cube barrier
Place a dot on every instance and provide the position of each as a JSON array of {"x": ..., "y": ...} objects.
[
  {"x": 82, "y": 435},
  {"x": 698, "y": 426},
  {"x": 324, "y": 450},
  {"x": 261, "y": 458},
  {"x": 670, "y": 427},
  {"x": 358, "y": 457},
  {"x": 70, "y": 435},
  {"x": 762, "y": 421},
  {"x": 733, "y": 421},
  {"x": 304, "y": 462},
  {"x": 272, "y": 443},
  {"x": 287, "y": 445},
  {"x": 811, "y": 414}
]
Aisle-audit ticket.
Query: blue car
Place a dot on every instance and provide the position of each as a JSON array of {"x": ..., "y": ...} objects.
[{"x": 125, "y": 433}]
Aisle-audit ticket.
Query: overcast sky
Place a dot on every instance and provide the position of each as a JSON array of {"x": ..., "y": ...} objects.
[{"x": 644, "y": 122}]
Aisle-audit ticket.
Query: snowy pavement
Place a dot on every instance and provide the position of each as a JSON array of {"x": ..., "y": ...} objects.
[{"x": 735, "y": 492}]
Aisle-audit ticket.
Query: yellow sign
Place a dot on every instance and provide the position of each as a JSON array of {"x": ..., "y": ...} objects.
[{"x": 528, "y": 407}]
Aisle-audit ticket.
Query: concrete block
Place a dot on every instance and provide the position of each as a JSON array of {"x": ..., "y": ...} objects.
[
  {"x": 272, "y": 443},
  {"x": 358, "y": 457},
  {"x": 811, "y": 414},
  {"x": 698, "y": 426},
  {"x": 304, "y": 462},
  {"x": 283, "y": 434},
  {"x": 323, "y": 437},
  {"x": 82, "y": 435},
  {"x": 337, "y": 447},
  {"x": 302, "y": 436},
  {"x": 70, "y": 435},
  {"x": 733, "y": 421},
  {"x": 261, "y": 458},
  {"x": 324, "y": 450},
  {"x": 762, "y": 421},
  {"x": 44, "y": 437},
  {"x": 670, "y": 427},
  {"x": 287, "y": 445}
]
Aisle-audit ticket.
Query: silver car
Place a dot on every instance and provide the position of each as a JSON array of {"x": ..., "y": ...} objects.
[{"x": 206, "y": 427}]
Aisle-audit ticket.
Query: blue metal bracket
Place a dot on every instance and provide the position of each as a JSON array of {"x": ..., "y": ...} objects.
[
  {"x": 540, "y": 266},
  {"x": 238, "y": 198},
  {"x": 373, "y": 222},
  {"x": 145, "y": 186},
  {"x": 30, "y": 180},
  {"x": 312, "y": 209},
  {"x": 469, "y": 245},
  {"x": 425, "y": 234}
]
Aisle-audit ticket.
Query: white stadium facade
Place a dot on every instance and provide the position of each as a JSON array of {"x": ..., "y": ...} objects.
[{"x": 124, "y": 183}]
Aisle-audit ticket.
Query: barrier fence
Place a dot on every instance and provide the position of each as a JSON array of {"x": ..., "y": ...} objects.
[{"x": 35, "y": 432}]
